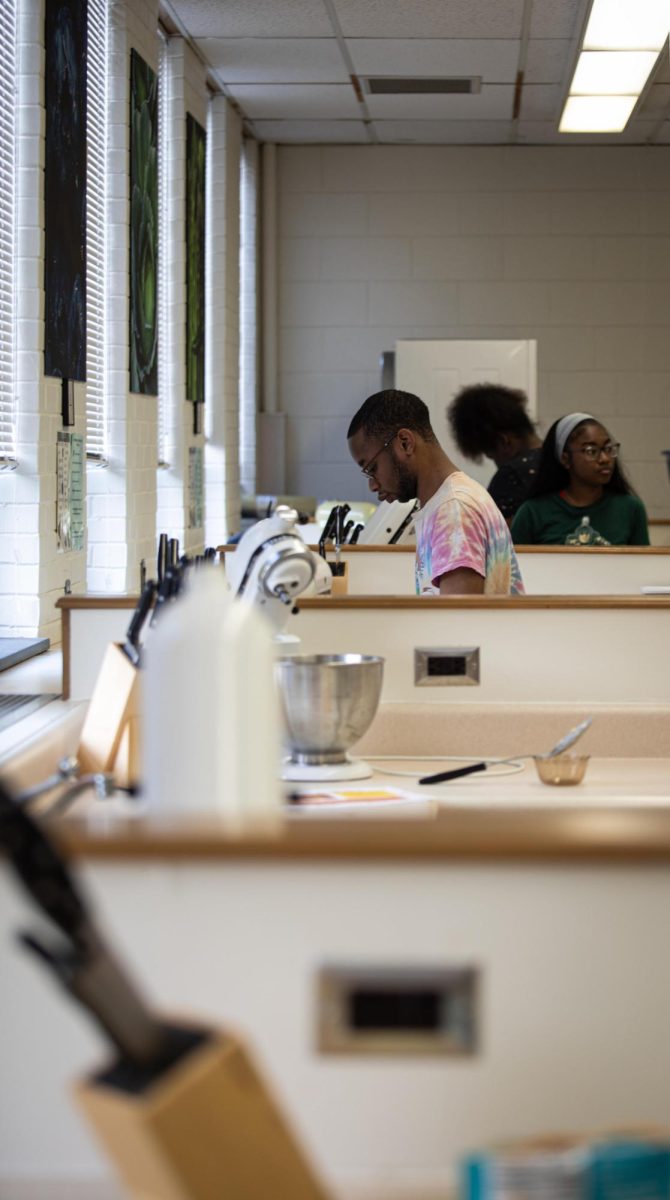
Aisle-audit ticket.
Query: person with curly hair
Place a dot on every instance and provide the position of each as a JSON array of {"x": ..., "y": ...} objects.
[{"x": 488, "y": 420}]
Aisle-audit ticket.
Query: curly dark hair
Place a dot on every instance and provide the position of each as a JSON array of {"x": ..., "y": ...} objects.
[
  {"x": 386, "y": 412},
  {"x": 552, "y": 476},
  {"x": 478, "y": 415}
]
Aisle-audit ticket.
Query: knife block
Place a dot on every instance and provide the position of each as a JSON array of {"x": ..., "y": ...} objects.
[
  {"x": 109, "y": 740},
  {"x": 340, "y": 584},
  {"x": 204, "y": 1129}
]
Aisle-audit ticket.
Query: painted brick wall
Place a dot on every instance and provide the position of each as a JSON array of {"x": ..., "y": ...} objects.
[
  {"x": 570, "y": 246},
  {"x": 122, "y": 496},
  {"x": 222, "y": 474},
  {"x": 186, "y": 94}
]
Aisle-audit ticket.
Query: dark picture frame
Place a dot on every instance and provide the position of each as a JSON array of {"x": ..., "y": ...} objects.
[
  {"x": 195, "y": 261},
  {"x": 65, "y": 36},
  {"x": 143, "y": 227}
]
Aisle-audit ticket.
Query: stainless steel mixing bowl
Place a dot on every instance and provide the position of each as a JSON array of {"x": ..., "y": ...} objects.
[{"x": 328, "y": 703}]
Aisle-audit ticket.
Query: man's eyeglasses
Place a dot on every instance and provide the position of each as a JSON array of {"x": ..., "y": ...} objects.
[
  {"x": 370, "y": 468},
  {"x": 590, "y": 450}
]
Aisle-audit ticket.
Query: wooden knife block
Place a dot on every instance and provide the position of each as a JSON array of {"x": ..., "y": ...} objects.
[
  {"x": 340, "y": 585},
  {"x": 206, "y": 1129},
  {"x": 109, "y": 739}
]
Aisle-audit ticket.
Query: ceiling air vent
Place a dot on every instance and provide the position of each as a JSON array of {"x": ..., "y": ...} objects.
[{"x": 380, "y": 85}]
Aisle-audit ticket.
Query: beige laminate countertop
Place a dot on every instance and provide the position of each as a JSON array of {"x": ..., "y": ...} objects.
[{"x": 620, "y": 812}]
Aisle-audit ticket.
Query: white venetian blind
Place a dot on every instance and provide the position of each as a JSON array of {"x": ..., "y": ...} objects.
[
  {"x": 163, "y": 151},
  {"x": 8, "y": 76},
  {"x": 96, "y": 230}
]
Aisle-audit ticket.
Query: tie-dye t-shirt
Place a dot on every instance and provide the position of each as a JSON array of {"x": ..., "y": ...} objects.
[{"x": 461, "y": 526}]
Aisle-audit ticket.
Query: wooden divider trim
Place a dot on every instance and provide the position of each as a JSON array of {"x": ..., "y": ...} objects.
[
  {"x": 65, "y": 643},
  {"x": 550, "y": 834},
  {"x": 84, "y": 600},
  {"x": 67, "y": 603},
  {"x": 409, "y": 548},
  {"x": 484, "y": 602}
]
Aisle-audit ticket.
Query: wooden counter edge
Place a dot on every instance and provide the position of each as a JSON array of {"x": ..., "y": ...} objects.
[{"x": 554, "y": 835}]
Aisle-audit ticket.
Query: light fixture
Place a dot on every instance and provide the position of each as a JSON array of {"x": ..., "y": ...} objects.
[
  {"x": 621, "y": 44},
  {"x": 606, "y": 114},
  {"x": 627, "y": 25},
  {"x": 612, "y": 72}
]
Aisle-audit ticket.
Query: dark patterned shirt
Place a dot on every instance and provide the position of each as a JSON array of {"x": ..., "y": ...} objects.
[{"x": 511, "y": 482}]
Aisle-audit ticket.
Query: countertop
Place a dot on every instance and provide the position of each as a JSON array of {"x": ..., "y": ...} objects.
[{"x": 620, "y": 811}]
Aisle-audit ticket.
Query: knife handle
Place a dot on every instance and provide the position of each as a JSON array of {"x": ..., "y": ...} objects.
[
  {"x": 161, "y": 562},
  {"x": 141, "y": 612},
  {"x": 445, "y": 776}
]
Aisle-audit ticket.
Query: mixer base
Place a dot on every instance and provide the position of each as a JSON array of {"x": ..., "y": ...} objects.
[{"x": 350, "y": 768}]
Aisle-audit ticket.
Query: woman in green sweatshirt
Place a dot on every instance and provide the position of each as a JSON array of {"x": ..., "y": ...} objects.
[{"x": 580, "y": 495}]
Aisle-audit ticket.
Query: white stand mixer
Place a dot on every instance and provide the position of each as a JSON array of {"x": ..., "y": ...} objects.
[{"x": 272, "y": 566}]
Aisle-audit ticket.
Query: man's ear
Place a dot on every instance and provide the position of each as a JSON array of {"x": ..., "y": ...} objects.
[{"x": 406, "y": 440}]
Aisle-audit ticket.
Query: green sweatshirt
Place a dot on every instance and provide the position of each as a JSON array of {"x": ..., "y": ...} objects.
[{"x": 548, "y": 520}]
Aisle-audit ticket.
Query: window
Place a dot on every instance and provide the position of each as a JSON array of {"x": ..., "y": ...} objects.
[
  {"x": 163, "y": 127},
  {"x": 96, "y": 232},
  {"x": 248, "y": 313},
  {"x": 8, "y": 75}
]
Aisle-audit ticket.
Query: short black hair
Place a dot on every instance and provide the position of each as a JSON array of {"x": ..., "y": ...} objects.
[
  {"x": 479, "y": 414},
  {"x": 385, "y": 412},
  {"x": 553, "y": 477}
]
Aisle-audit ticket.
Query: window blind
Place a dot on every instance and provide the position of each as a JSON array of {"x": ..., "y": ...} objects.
[
  {"x": 96, "y": 231},
  {"x": 163, "y": 151},
  {"x": 8, "y": 101}
]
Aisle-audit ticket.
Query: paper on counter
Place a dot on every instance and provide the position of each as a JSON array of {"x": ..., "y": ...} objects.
[{"x": 361, "y": 801}]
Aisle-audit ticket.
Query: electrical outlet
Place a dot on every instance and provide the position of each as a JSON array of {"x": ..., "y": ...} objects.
[
  {"x": 397, "y": 1010},
  {"x": 446, "y": 666}
]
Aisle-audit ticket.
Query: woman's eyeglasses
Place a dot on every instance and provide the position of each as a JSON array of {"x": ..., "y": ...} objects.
[
  {"x": 590, "y": 450},
  {"x": 370, "y": 467}
]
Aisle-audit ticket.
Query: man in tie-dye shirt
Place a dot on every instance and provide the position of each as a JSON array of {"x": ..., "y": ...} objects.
[{"x": 463, "y": 544}]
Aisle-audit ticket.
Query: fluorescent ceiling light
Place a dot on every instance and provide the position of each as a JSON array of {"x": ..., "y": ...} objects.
[
  {"x": 627, "y": 25},
  {"x": 596, "y": 114},
  {"x": 612, "y": 72}
]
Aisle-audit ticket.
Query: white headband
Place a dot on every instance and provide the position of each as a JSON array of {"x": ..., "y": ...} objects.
[{"x": 565, "y": 427}]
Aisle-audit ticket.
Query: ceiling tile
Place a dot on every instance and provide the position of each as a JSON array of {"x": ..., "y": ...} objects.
[
  {"x": 443, "y": 132},
  {"x": 656, "y": 102},
  {"x": 495, "y": 61},
  {"x": 492, "y": 102},
  {"x": 548, "y": 61},
  {"x": 252, "y": 18},
  {"x": 291, "y": 101},
  {"x": 540, "y": 102},
  {"x": 556, "y": 18},
  {"x": 275, "y": 60},
  {"x": 430, "y": 18},
  {"x": 311, "y": 131}
]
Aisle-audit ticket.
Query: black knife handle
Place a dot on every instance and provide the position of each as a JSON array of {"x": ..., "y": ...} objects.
[
  {"x": 444, "y": 776},
  {"x": 161, "y": 562},
  {"x": 141, "y": 612},
  {"x": 40, "y": 868}
]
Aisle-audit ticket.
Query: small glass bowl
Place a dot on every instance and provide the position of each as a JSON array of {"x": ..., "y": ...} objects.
[{"x": 562, "y": 770}]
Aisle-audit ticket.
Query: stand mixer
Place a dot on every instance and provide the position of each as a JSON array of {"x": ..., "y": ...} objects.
[{"x": 272, "y": 566}]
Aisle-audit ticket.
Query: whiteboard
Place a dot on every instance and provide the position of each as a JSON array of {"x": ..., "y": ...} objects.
[{"x": 436, "y": 370}]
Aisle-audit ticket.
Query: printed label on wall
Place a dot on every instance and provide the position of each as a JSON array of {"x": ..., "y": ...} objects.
[
  {"x": 195, "y": 487},
  {"x": 70, "y": 491}
]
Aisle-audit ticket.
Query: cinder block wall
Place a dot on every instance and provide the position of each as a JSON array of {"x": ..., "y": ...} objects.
[{"x": 570, "y": 246}]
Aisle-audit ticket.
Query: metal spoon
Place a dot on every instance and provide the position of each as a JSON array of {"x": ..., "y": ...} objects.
[{"x": 561, "y": 746}]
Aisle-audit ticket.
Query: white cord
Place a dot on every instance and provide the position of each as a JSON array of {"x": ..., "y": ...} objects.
[{"x": 514, "y": 767}]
